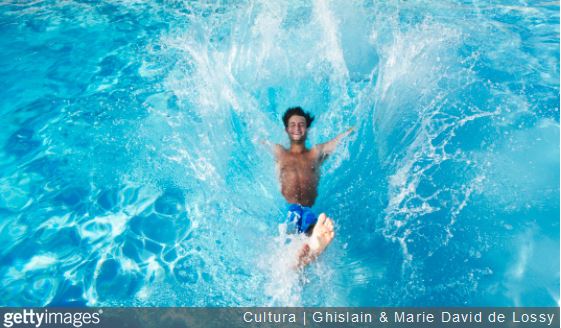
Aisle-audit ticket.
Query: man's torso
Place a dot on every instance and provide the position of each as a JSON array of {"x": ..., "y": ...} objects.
[{"x": 299, "y": 175}]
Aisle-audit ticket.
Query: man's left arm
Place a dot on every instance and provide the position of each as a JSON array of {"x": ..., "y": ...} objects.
[{"x": 325, "y": 149}]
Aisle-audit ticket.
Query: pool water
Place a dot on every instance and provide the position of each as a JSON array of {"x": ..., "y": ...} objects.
[{"x": 133, "y": 171}]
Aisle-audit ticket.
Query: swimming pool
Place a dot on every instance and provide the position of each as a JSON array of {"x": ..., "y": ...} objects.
[{"x": 132, "y": 170}]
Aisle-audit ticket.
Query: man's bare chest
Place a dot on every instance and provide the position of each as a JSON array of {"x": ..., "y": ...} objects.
[{"x": 303, "y": 163}]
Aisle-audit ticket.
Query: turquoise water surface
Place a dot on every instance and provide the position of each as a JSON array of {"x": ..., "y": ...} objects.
[{"x": 132, "y": 170}]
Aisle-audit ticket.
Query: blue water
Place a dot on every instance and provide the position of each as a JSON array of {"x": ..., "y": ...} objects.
[{"x": 132, "y": 170}]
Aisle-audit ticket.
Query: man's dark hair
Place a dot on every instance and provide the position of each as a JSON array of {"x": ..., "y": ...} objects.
[{"x": 299, "y": 112}]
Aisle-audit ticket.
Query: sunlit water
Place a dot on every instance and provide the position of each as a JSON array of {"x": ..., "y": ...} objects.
[{"x": 132, "y": 170}]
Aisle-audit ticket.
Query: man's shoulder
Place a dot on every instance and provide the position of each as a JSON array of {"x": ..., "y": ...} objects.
[
  {"x": 316, "y": 150},
  {"x": 279, "y": 150}
]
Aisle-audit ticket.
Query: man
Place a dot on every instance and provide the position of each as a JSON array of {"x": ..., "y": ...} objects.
[{"x": 299, "y": 177}]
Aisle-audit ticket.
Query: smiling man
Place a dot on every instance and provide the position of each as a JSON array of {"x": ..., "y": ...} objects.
[{"x": 299, "y": 177}]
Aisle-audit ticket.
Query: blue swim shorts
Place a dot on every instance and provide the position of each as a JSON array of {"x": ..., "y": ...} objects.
[{"x": 302, "y": 216}]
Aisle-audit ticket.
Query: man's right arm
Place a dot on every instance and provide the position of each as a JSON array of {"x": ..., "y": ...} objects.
[{"x": 327, "y": 148}]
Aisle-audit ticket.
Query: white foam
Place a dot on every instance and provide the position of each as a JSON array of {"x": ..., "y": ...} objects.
[{"x": 38, "y": 262}]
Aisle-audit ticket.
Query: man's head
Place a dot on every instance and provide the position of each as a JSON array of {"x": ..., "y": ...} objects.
[{"x": 296, "y": 123}]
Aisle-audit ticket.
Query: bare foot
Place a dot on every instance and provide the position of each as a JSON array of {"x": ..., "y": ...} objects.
[{"x": 322, "y": 235}]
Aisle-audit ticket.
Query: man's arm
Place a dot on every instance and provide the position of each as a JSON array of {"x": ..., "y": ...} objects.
[{"x": 325, "y": 149}]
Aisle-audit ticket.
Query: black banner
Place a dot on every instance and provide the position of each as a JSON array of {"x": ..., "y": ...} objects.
[{"x": 280, "y": 317}]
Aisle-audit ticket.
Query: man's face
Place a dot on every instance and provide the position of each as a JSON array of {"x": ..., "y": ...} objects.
[{"x": 297, "y": 128}]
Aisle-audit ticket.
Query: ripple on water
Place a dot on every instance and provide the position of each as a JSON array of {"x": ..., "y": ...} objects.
[
  {"x": 171, "y": 202},
  {"x": 19, "y": 191},
  {"x": 21, "y": 142},
  {"x": 48, "y": 167},
  {"x": 132, "y": 248},
  {"x": 69, "y": 295},
  {"x": 42, "y": 292},
  {"x": 155, "y": 227},
  {"x": 108, "y": 199},
  {"x": 187, "y": 270},
  {"x": 114, "y": 282},
  {"x": 63, "y": 240},
  {"x": 170, "y": 254},
  {"x": 72, "y": 196}
]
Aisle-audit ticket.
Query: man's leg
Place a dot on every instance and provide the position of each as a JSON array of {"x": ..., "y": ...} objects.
[{"x": 322, "y": 235}]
